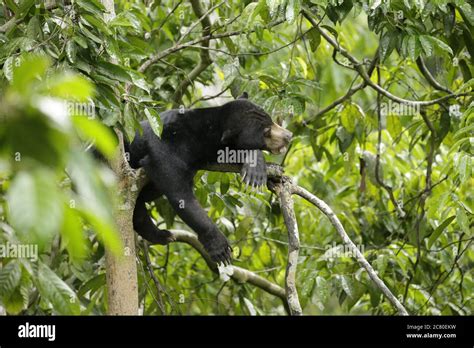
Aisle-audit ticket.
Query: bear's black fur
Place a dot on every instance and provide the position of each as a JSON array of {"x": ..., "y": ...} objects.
[{"x": 190, "y": 141}]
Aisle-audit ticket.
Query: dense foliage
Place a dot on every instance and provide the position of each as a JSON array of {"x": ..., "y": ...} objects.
[{"x": 398, "y": 175}]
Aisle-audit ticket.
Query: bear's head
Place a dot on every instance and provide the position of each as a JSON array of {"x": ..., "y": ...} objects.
[{"x": 248, "y": 126}]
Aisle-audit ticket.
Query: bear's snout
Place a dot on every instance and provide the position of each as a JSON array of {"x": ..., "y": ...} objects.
[{"x": 278, "y": 140}]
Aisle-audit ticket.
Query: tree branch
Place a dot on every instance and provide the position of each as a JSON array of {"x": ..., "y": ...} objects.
[
  {"x": 153, "y": 59},
  {"x": 283, "y": 190},
  {"x": 379, "y": 180},
  {"x": 350, "y": 92},
  {"x": 321, "y": 205},
  {"x": 15, "y": 21},
  {"x": 240, "y": 275},
  {"x": 359, "y": 67},
  {"x": 431, "y": 80},
  {"x": 205, "y": 58}
]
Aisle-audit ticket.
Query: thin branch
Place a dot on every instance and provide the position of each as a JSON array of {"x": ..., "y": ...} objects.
[
  {"x": 379, "y": 180},
  {"x": 358, "y": 66},
  {"x": 205, "y": 58},
  {"x": 321, "y": 205},
  {"x": 350, "y": 92},
  {"x": 159, "y": 288},
  {"x": 283, "y": 190},
  {"x": 15, "y": 21},
  {"x": 209, "y": 97},
  {"x": 173, "y": 10},
  {"x": 431, "y": 80},
  {"x": 153, "y": 59},
  {"x": 203, "y": 18},
  {"x": 274, "y": 171},
  {"x": 240, "y": 275}
]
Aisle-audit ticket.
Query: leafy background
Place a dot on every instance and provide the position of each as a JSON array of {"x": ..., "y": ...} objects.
[{"x": 54, "y": 194}]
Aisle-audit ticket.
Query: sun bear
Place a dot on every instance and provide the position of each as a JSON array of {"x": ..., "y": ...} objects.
[{"x": 191, "y": 140}]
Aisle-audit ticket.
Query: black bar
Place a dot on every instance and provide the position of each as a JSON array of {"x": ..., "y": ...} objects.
[{"x": 347, "y": 330}]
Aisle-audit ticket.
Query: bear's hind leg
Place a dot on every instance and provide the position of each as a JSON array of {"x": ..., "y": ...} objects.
[{"x": 142, "y": 222}]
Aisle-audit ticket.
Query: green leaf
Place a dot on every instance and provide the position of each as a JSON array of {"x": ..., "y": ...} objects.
[
  {"x": 93, "y": 199},
  {"x": 230, "y": 44},
  {"x": 92, "y": 284},
  {"x": 293, "y": 8},
  {"x": 314, "y": 39},
  {"x": 345, "y": 138},
  {"x": 56, "y": 291},
  {"x": 71, "y": 86},
  {"x": 346, "y": 284},
  {"x": 224, "y": 183},
  {"x": 104, "y": 229},
  {"x": 463, "y": 221},
  {"x": 394, "y": 126},
  {"x": 15, "y": 303},
  {"x": 139, "y": 80},
  {"x": 441, "y": 45},
  {"x": 35, "y": 192},
  {"x": 464, "y": 168},
  {"x": 387, "y": 44},
  {"x": 437, "y": 232},
  {"x": 99, "y": 134},
  {"x": 244, "y": 228},
  {"x": 71, "y": 51},
  {"x": 129, "y": 121},
  {"x": 426, "y": 45},
  {"x": 265, "y": 254},
  {"x": 93, "y": 6},
  {"x": 97, "y": 23},
  {"x": 114, "y": 72},
  {"x": 10, "y": 276},
  {"x": 24, "y": 8},
  {"x": 31, "y": 68},
  {"x": 155, "y": 121},
  {"x": 12, "y": 6},
  {"x": 308, "y": 286},
  {"x": 413, "y": 47},
  {"x": 338, "y": 12},
  {"x": 322, "y": 289},
  {"x": 72, "y": 234}
]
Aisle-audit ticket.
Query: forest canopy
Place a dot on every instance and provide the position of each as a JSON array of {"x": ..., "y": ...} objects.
[{"x": 378, "y": 96}]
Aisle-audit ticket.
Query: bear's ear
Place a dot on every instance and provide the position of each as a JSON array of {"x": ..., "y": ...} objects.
[
  {"x": 244, "y": 95},
  {"x": 227, "y": 136}
]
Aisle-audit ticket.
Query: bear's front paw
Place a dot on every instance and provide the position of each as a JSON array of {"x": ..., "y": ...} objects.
[
  {"x": 217, "y": 247},
  {"x": 254, "y": 176}
]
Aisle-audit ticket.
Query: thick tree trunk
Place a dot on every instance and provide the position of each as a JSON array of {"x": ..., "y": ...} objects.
[{"x": 121, "y": 269}]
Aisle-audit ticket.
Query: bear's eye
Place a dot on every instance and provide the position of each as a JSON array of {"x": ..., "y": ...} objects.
[{"x": 267, "y": 132}]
